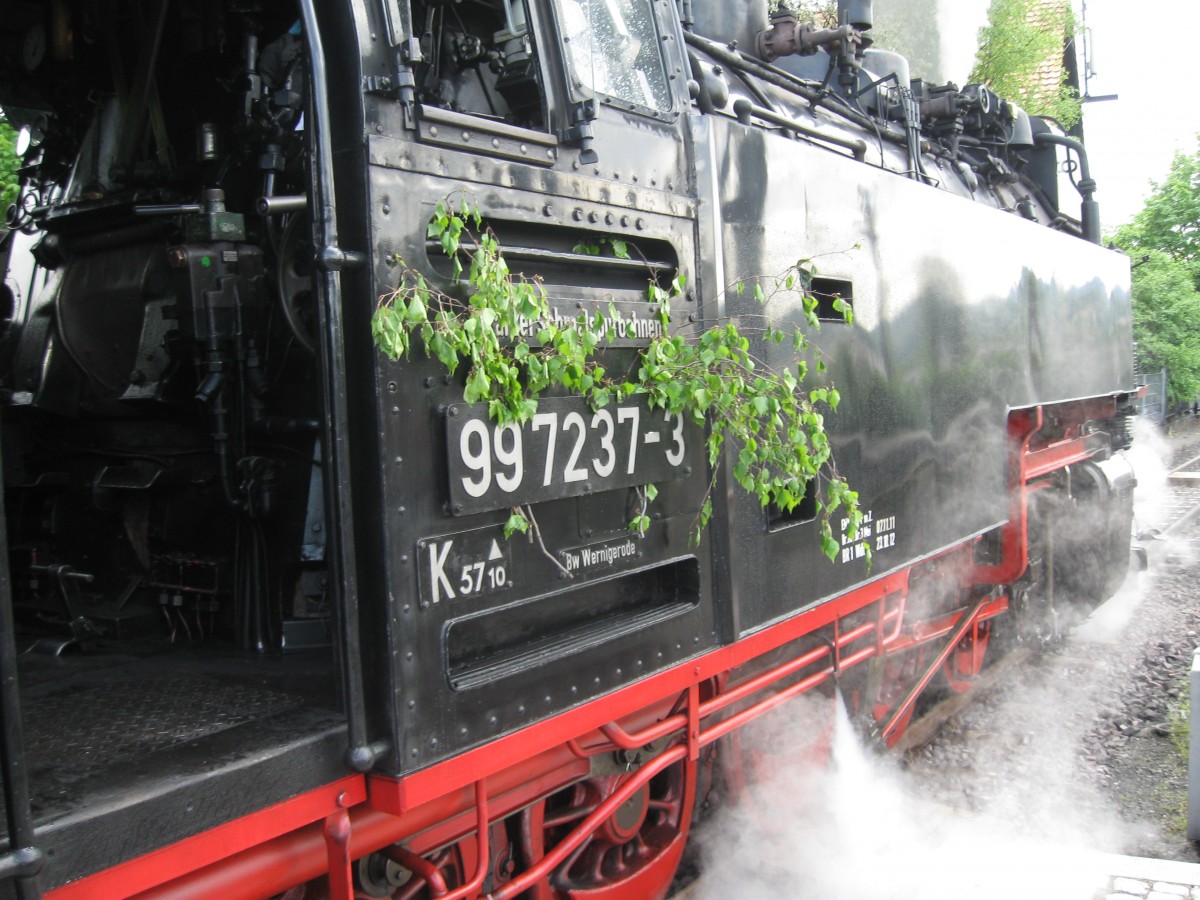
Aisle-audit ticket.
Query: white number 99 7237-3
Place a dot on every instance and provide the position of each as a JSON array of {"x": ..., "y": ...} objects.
[{"x": 565, "y": 450}]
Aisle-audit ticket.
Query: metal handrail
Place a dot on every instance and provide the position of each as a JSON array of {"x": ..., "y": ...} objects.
[{"x": 23, "y": 860}]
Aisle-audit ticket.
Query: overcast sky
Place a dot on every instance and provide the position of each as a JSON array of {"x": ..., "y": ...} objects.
[{"x": 1144, "y": 53}]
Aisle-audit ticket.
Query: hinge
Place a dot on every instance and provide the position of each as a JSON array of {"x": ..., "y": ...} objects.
[{"x": 376, "y": 84}]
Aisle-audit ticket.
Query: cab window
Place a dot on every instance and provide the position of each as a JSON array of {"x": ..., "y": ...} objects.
[
  {"x": 614, "y": 50},
  {"x": 479, "y": 59}
]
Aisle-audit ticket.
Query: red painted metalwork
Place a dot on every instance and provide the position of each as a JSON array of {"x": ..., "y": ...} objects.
[
  {"x": 554, "y": 858},
  {"x": 966, "y": 661},
  {"x": 904, "y": 710},
  {"x": 931, "y": 629},
  {"x": 1056, "y": 456},
  {"x": 206, "y": 848},
  {"x": 337, "y": 848},
  {"x": 471, "y": 888},
  {"x": 427, "y": 871},
  {"x": 881, "y": 709},
  {"x": 400, "y": 795},
  {"x": 777, "y": 745},
  {"x": 1014, "y": 534},
  {"x": 696, "y": 739},
  {"x": 1067, "y": 447},
  {"x": 691, "y": 749},
  {"x": 632, "y": 855},
  {"x": 272, "y": 866}
]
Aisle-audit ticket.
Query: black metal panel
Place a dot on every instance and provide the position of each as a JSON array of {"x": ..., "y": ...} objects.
[
  {"x": 954, "y": 325},
  {"x": 466, "y": 635},
  {"x": 477, "y": 653}
]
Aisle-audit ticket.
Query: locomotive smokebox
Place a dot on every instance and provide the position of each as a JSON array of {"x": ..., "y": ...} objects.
[
  {"x": 731, "y": 20},
  {"x": 859, "y": 13}
]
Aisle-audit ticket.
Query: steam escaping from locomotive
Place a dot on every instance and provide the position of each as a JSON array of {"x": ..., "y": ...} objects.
[
  {"x": 859, "y": 827},
  {"x": 1150, "y": 458}
]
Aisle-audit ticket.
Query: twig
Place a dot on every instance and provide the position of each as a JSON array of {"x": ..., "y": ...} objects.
[
  {"x": 641, "y": 493},
  {"x": 536, "y": 532}
]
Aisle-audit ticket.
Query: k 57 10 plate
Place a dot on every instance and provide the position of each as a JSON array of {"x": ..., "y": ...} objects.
[{"x": 565, "y": 450}]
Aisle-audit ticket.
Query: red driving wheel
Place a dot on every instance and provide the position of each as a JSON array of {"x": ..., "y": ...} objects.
[{"x": 634, "y": 853}]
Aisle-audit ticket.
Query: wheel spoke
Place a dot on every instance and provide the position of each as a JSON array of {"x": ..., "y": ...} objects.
[{"x": 571, "y": 814}]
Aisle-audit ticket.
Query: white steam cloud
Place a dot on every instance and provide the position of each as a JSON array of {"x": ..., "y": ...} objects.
[
  {"x": 1155, "y": 505},
  {"x": 860, "y": 829}
]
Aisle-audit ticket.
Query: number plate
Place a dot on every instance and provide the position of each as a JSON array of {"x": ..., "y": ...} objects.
[
  {"x": 565, "y": 450},
  {"x": 463, "y": 566}
]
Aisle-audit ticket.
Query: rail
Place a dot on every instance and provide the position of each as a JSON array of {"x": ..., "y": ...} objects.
[{"x": 1185, "y": 506}]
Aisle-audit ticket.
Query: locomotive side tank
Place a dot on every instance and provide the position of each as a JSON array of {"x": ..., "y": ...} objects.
[{"x": 262, "y": 571}]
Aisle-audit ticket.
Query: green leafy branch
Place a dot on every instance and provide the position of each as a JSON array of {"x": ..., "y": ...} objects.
[
  {"x": 594, "y": 246},
  {"x": 501, "y": 329}
]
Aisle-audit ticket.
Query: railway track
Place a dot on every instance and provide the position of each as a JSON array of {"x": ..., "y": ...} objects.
[{"x": 1183, "y": 503}]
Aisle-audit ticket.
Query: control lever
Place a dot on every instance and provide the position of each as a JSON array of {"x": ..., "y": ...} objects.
[{"x": 82, "y": 628}]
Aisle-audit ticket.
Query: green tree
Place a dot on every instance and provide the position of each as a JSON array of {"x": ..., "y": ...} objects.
[
  {"x": 1164, "y": 240},
  {"x": 822, "y": 12},
  {"x": 1170, "y": 220},
  {"x": 8, "y": 165},
  {"x": 1020, "y": 52},
  {"x": 1166, "y": 323}
]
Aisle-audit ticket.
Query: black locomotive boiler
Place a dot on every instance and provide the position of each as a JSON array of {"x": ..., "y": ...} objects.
[{"x": 264, "y": 633}]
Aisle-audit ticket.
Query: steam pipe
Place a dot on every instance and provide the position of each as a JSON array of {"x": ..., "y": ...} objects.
[
  {"x": 686, "y": 16},
  {"x": 212, "y": 392},
  {"x": 787, "y": 37},
  {"x": 419, "y": 866},
  {"x": 744, "y": 109},
  {"x": 1089, "y": 209},
  {"x": 787, "y": 82}
]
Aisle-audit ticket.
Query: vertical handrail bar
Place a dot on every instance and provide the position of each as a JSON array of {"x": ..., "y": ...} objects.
[
  {"x": 23, "y": 861},
  {"x": 341, "y": 548}
]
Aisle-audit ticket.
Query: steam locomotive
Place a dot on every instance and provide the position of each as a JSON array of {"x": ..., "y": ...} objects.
[{"x": 264, "y": 634}]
